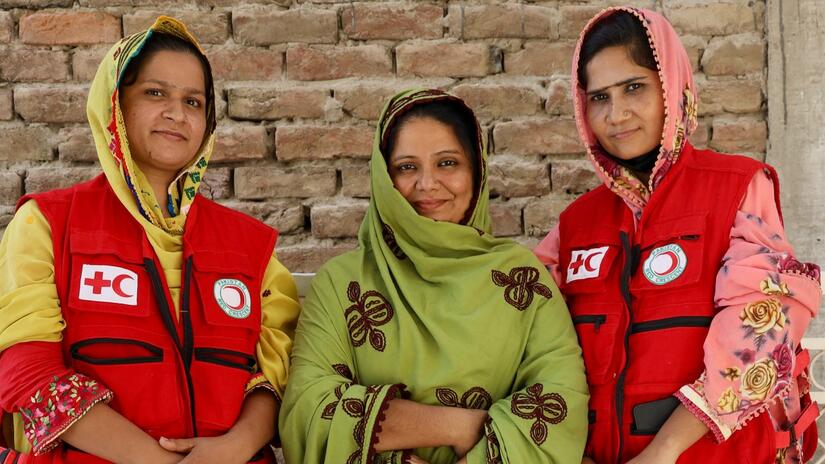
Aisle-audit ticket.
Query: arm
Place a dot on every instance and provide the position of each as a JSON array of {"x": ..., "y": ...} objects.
[
  {"x": 545, "y": 419},
  {"x": 767, "y": 299},
  {"x": 681, "y": 430},
  {"x": 409, "y": 425},
  {"x": 548, "y": 253}
]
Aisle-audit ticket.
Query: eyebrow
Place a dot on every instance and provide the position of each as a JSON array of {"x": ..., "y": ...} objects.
[
  {"x": 617, "y": 84},
  {"x": 169, "y": 84}
]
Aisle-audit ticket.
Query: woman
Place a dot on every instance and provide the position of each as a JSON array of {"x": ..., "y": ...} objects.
[
  {"x": 680, "y": 249},
  {"x": 132, "y": 309},
  {"x": 433, "y": 337}
]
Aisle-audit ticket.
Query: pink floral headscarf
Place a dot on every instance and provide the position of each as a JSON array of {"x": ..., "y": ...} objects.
[{"x": 680, "y": 107}]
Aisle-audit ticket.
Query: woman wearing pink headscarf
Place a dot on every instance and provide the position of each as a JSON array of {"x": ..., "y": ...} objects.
[{"x": 687, "y": 298}]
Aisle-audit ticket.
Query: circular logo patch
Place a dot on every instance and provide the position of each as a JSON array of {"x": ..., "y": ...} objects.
[
  {"x": 665, "y": 264},
  {"x": 233, "y": 298}
]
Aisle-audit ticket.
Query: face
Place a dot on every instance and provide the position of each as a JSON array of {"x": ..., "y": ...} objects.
[
  {"x": 431, "y": 169},
  {"x": 625, "y": 107},
  {"x": 165, "y": 113}
]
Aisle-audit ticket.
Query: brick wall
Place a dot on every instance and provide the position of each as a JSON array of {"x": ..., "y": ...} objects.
[{"x": 300, "y": 85}]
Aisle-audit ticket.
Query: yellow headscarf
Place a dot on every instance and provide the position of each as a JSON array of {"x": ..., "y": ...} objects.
[{"x": 109, "y": 131}]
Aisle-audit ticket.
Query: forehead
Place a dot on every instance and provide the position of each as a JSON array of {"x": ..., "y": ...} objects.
[
  {"x": 612, "y": 65},
  {"x": 180, "y": 69},
  {"x": 425, "y": 135}
]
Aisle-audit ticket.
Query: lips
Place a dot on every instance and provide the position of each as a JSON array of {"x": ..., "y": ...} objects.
[
  {"x": 428, "y": 205},
  {"x": 170, "y": 134},
  {"x": 624, "y": 134}
]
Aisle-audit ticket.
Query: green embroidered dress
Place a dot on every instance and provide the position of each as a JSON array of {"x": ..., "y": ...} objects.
[{"x": 440, "y": 313}]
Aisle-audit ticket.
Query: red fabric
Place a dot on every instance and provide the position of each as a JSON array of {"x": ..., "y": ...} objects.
[
  {"x": 151, "y": 359},
  {"x": 26, "y": 368},
  {"x": 646, "y": 352}
]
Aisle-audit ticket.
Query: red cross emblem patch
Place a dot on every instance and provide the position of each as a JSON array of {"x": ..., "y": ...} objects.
[
  {"x": 108, "y": 284},
  {"x": 585, "y": 264}
]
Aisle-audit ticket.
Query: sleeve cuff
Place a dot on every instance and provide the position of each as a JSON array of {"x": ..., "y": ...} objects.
[
  {"x": 696, "y": 404},
  {"x": 376, "y": 402},
  {"x": 56, "y": 406},
  {"x": 257, "y": 382}
]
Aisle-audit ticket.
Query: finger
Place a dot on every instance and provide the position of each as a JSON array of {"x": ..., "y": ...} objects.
[
  {"x": 416, "y": 460},
  {"x": 177, "y": 445}
]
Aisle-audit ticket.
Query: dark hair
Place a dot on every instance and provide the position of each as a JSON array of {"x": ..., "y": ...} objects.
[
  {"x": 619, "y": 29},
  {"x": 162, "y": 41},
  {"x": 450, "y": 113}
]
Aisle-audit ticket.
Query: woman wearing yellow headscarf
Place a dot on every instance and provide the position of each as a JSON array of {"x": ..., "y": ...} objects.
[{"x": 136, "y": 315}]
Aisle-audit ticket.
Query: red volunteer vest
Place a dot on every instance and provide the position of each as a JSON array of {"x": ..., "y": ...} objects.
[
  {"x": 173, "y": 377},
  {"x": 641, "y": 299}
]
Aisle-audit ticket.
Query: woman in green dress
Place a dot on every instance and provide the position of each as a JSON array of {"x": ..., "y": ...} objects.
[{"x": 433, "y": 341}]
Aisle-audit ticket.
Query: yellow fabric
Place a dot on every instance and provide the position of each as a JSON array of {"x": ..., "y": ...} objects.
[{"x": 29, "y": 305}]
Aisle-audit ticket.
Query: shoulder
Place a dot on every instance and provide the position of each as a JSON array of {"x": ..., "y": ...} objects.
[{"x": 716, "y": 161}]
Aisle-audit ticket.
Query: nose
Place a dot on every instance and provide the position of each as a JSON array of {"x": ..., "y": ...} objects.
[
  {"x": 173, "y": 111},
  {"x": 619, "y": 110},
  {"x": 426, "y": 180}
]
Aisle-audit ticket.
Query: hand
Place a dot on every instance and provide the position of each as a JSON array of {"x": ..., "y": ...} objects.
[
  {"x": 206, "y": 450},
  {"x": 416, "y": 460},
  {"x": 587, "y": 460},
  {"x": 469, "y": 430}
]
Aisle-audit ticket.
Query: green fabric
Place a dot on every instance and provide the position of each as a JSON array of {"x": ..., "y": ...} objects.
[{"x": 459, "y": 317}]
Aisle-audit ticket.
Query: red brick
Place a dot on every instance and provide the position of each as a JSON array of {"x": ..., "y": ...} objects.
[
  {"x": 573, "y": 176},
  {"x": 309, "y": 256},
  {"x": 258, "y": 182},
  {"x": 32, "y": 4},
  {"x": 445, "y": 59},
  {"x": 501, "y": 21},
  {"x": 734, "y": 55},
  {"x": 54, "y": 104},
  {"x": 537, "y": 137},
  {"x": 729, "y": 95},
  {"x": 240, "y": 143},
  {"x": 287, "y": 221},
  {"x": 11, "y": 187},
  {"x": 559, "y": 100},
  {"x": 6, "y": 27},
  {"x": 392, "y": 21},
  {"x": 323, "y": 142},
  {"x": 6, "y": 107},
  {"x": 699, "y": 138},
  {"x": 516, "y": 177},
  {"x": 225, "y": 3},
  {"x": 506, "y": 218},
  {"x": 278, "y": 102},
  {"x": 217, "y": 183},
  {"x": 739, "y": 135},
  {"x": 305, "y": 63},
  {"x": 23, "y": 143},
  {"x": 355, "y": 181},
  {"x": 85, "y": 62},
  {"x": 283, "y": 215},
  {"x": 710, "y": 18},
  {"x": 46, "y": 178},
  {"x": 694, "y": 46},
  {"x": 540, "y": 59},
  {"x": 69, "y": 28},
  {"x": 208, "y": 27},
  {"x": 246, "y": 64},
  {"x": 76, "y": 144},
  {"x": 337, "y": 220},
  {"x": 27, "y": 65},
  {"x": 574, "y": 18},
  {"x": 497, "y": 101},
  {"x": 265, "y": 26},
  {"x": 364, "y": 99}
]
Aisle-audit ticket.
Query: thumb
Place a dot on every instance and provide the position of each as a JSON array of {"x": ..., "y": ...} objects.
[{"x": 177, "y": 445}]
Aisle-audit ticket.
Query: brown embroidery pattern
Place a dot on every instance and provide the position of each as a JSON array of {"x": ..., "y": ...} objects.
[
  {"x": 493, "y": 448},
  {"x": 368, "y": 311},
  {"x": 520, "y": 285},
  {"x": 545, "y": 409},
  {"x": 329, "y": 409},
  {"x": 358, "y": 409},
  {"x": 389, "y": 238},
  {"x": 474, "y": 398},
  {"x": 344, "y": 370}
]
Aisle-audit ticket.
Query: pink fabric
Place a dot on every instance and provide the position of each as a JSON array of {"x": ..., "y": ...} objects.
[
  {"x": 768, "y": 299},
  {"x": 680, "y": 107},
  {"x": 548, "y": 253}
]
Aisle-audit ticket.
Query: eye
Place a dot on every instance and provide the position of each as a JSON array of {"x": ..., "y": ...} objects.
[
  {"x": 448, "y": 162},
  {"x": 633, "y": 86},
  {"x": 598, "y": 97},
  {"x": 154, "y": 92},
  {"x": 404, "y": 167},
  {"x": 193, "y": 102}
]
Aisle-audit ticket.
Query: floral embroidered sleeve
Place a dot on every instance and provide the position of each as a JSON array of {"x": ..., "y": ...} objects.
[
  {"x": 767, "y": 299},
  {"x": 48, "y": 396},
  {"x": 326, "y": 415},
  {"x": 545, "y": 418}
]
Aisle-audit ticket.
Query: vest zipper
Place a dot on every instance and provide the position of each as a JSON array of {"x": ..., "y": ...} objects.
[
  {"x": 169, "y": 323},
  {"x": 188, "y": 336},
  {"x": 632, "y": 255},
  {"x": 681, "y": 321},
  {"x": 596, "y": 319}
]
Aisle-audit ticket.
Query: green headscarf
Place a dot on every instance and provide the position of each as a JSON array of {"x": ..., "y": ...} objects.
[{"x": 446, "y": 312}]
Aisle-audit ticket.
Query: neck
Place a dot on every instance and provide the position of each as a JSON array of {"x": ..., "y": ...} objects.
[{"x": 159, "y": 181}]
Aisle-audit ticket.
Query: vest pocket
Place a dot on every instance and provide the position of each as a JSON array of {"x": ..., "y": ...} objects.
[
  {"x": 220, "y": 377},
  {"x": 672, "y": 253},
  {"x": 597, "y": 337},
  {"x": 145, "y": 385},
  {"x": 667, "y": 350},
  {"x": 229, "y": 295}
]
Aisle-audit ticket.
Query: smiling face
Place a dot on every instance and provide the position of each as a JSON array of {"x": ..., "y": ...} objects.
[
  {"x": 432, "y": 170},
  {"x": 625, "y": 106},
  {"x": 165, "y": 113}
]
